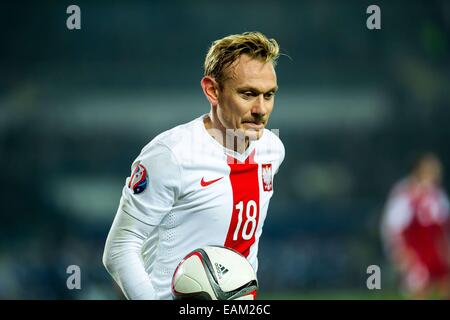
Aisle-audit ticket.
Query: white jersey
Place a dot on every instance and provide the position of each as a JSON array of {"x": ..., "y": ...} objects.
[{"x": 199, "y": 193}]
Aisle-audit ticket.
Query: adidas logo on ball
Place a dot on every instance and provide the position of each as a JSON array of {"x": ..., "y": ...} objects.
[{"x": 221, "y": 270}]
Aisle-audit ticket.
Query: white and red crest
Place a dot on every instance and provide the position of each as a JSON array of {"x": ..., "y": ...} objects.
[{"x": 267, "y": 176}]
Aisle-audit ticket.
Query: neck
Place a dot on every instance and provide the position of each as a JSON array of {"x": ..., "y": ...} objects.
[{"x": 226, "y": 137}]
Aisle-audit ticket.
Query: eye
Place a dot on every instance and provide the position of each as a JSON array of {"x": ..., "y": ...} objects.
[
  {"x": 248, "y": 94},
  {"x": 269, "y": 95}
]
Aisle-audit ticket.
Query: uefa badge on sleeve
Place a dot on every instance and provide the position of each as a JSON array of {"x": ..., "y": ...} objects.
[
  {"x": 138, "y": 180},
  {"x": 267, "y": 176}
]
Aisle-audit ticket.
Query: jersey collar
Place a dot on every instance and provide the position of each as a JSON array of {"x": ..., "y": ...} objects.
[{"x": 241, "y": 157}]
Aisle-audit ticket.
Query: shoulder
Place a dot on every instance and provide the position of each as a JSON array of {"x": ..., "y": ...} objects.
[
  {"x": 174, "y": 141},
  {"x": 272, "y": 143},
  {"x": 159, "y": 160},
  {"x": 399, "y": 196},
  {"x": 271, "y": 149},
  {"x": 400, "y": 188},
  {"x": 272, "y": 135},
  {"x": 445, "y": 200}
]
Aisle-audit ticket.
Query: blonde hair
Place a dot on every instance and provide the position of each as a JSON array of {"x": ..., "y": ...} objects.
[{"x": 225, "y": 51}]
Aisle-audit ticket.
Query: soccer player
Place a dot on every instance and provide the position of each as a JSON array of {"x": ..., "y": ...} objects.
[
  {"x": 205, "y": 182},
  {"x": 415, "y": 230}
]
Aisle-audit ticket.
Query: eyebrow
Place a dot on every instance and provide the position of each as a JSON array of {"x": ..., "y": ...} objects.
[{"x": 255, "y": 90}]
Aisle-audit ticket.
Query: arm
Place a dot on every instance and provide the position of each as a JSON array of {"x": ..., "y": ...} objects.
[
  {"x": 140, "y": 212},
  {"x": 122, "y": 256},
  {"x": 396, "y": 218}
]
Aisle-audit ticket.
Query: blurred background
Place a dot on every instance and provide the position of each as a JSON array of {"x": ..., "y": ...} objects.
[{"x": 76, "y": 107}]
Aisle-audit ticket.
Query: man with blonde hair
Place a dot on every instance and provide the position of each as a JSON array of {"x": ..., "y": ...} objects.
[{"x": 205, "y": 182}]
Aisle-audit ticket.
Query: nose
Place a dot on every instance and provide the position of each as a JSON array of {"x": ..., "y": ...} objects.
[{"x": 259, "y": 107}]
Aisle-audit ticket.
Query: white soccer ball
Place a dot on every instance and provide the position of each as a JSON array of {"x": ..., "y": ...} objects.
[{"x": 214, "y": 273}]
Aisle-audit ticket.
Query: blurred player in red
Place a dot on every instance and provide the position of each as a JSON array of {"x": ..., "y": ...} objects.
[{"x": 415, "y": 230}]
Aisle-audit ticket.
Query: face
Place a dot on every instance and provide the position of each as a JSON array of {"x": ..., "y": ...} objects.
[
  {"x": 430, "y": 170},
  {"x": 246, "y": 98}
]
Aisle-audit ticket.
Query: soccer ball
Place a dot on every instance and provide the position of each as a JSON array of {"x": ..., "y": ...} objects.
[{"x": 214, "y": 273}]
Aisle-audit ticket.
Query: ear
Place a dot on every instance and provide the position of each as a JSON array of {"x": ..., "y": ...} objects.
[{"x": 210, "y": 89}]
